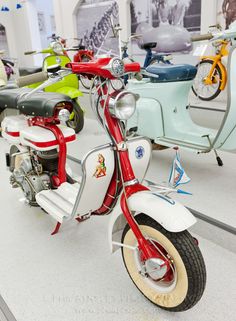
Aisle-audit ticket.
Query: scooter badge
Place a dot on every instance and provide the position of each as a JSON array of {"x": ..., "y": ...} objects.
[
  {"x": 101, "y": 167},
  {"x": 139, "y": 152}
]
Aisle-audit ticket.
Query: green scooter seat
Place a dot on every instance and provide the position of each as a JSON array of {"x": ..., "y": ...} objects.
[{"x": 169, "y": 73}]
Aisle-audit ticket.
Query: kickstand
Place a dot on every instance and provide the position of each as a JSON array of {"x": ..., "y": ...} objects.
[
  {"x": 218, "y": 159},
  {"x": 56, "y": 228}
]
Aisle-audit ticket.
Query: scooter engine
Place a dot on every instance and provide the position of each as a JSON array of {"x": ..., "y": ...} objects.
[{"x": 28, "y": 174}]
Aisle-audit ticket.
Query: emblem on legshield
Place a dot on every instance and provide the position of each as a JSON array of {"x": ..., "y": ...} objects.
[
  {"x": 139, "y": 152},
  {"x": 101, "y": 167}
]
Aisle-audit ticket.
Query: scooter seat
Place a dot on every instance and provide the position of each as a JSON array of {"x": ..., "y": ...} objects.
[
  {"x": 39, "y": 104},
  {"x": 29, "y": 71},
  {"x": 169, "y": 73},
  {"x": 148, "y": 45}
]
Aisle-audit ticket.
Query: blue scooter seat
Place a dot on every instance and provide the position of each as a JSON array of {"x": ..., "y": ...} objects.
[{"x": 168, "y": 73}]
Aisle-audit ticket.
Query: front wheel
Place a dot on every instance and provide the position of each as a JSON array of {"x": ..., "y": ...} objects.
[
  {"x": 183, "y": 284},
  {"x": 206, "y": 86},
  {"x": 76, "y": 120}
]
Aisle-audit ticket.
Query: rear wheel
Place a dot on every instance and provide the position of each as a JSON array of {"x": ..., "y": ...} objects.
[
  {"x": 203, "y": 90},
  {"x": 76, "y": 120},
  {"x": 183, "y": 284}
]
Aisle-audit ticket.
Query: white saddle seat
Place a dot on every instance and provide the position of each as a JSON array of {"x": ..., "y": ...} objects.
[{"x": 59, "y": 203}]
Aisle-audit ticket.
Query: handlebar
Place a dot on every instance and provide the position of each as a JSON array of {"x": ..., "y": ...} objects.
[
  {"x": 32, "y": 79},
  {"x": 207, "y": 36},
  {"x": 101, "y": 67},
  {"x": 30, "y": 52}
]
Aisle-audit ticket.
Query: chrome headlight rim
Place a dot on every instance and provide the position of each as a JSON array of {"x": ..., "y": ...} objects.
[
  {"x": 115, "y": 98},
  {"x": 55, "y": 47}
]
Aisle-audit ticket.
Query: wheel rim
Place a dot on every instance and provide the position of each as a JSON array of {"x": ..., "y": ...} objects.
[
  {"x": 202, "y": 89},
  {"x": 168, "y": 282},
  {"x": 164, "y": 295}
]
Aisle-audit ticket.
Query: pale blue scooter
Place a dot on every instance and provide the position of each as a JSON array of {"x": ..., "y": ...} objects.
[{"x": 163, "y": 114}]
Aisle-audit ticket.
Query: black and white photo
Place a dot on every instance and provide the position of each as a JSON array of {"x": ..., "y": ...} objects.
[{"x": 95, "y": 21}]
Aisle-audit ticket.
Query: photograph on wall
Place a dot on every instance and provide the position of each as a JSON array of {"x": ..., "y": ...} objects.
[
  {"x": 95, "y": 21},
  {"x": 169, "y": 23},
  {"x": 226, "y": 12},
  {"x": 41, "y": 22}
]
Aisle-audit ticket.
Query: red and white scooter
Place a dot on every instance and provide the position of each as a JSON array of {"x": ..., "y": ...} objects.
[{"x": 160, "y": 255}]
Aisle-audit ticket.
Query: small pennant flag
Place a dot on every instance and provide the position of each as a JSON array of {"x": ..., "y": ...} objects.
[{"x": 177, "y": 174}]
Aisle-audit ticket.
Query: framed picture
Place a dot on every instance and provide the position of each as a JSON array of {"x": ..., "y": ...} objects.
[
  {"x": 41, "y": 22},
  {"x": 226, "y": 12},
  {"x": 95, "y": 21},
  {"x": 185, "y": 13}
]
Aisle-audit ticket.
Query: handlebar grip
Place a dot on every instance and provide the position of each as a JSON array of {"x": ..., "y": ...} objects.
[
  {"x": 207, "y": 36},
  {"x": 30, "y": 52},
  {"x": 32, "y": 79}
]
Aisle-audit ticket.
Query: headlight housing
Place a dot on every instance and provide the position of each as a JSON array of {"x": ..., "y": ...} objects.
[
  {"x": 57, "y": 48},
  {"x": 122, "y": 105}
]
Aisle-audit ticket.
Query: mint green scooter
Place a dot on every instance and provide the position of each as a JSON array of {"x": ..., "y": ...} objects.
[{"x": 163, "y": 113}]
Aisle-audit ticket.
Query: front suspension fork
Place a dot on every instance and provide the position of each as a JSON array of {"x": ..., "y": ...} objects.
[{"x": 144, "y": 245}]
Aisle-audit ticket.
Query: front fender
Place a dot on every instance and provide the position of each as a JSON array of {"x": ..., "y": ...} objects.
[
  {"x": 70, "y": 91},
  {"x": 172, "y": 215}
]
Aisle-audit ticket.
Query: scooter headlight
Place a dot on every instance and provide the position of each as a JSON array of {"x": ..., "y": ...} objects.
[
  {"x": 122, "y": 104},
  {"x": 57, "y": 48}
]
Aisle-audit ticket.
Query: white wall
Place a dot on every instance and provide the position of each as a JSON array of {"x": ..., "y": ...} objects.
[
  {"x": 22, "y": 32},
  {"x": 46, "y": 7}
]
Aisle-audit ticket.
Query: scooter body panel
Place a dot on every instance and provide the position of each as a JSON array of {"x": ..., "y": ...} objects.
[
  {"x": 140, "y": 151},
  {"x": 98, "y": 168},
  {"x": 151, "y": 127},
  {"x": 69, "y": 82},
  {"x": 43, "y": 139},
  {"x": 171, "y": 118},
  {"x": 173, "y": 216},
  {"x": 226, "y": 138},
  {"x": 97, "y": 171},
  {"x": 12, "y": 126}
]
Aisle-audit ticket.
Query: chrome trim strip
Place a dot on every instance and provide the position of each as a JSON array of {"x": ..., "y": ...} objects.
[
  {"x": 207, "y": 108},
  {"x": 132, "y": 182}
]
